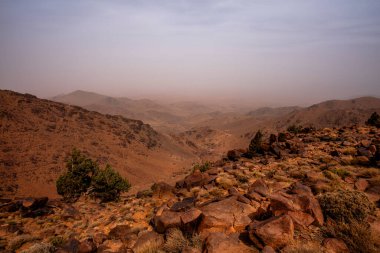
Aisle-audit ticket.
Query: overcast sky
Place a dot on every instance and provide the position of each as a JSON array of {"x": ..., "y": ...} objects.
[{"x": 269, "y": 52}]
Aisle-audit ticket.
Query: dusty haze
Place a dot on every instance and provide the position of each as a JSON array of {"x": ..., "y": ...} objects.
[{"x": 257, "y": 52}]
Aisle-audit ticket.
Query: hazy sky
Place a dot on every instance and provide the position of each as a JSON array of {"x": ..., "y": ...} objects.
[{"x": 272, "y": 52}]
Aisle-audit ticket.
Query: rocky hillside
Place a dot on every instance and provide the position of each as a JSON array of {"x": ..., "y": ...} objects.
[
  {"x": 317, "y": 191},
  {"x": 36, "y": 136},
  {"x": 333, "y": 113}
]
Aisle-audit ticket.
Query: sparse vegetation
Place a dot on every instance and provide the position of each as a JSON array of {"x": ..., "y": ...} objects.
[
  {"x": 294, "y": 129},
  {"x": 83, "y": 173},
  {"x": 18, "y": 241},
  {"x": 202, "y": 166},
  {"x": 176, "y": 241},
  {"x": 340, "y": 172}
]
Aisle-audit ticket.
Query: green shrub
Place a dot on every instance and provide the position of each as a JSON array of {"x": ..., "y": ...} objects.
[
  {"x": 294, "y": 129},
  {"x": 346, "y": 206},
  {"x": 82, "y": 173},
  {"x": 57, "y": 241},
  {"x": 202, "y": 167},
  {"x": 77, "y": 179},
  {"x": 374, "y": 120},
  {"x": 107, "y": 184},
  {"x": 341, "y": 172}
]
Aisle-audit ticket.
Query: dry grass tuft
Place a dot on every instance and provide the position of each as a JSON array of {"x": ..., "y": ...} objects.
[
  {"x": 40, "y": 248},
  {"x": 356, "y": 235},
  {"x": 302, "y": 247},
  {"x": 152, "y": 246},
  {"x": 18, "y": 241},
  {"x": 175, "y": 241}
]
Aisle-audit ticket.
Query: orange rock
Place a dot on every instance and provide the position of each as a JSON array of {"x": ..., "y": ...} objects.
[
  {"x": 333, "y": 245},
  {"x": 276, "y": 232}
]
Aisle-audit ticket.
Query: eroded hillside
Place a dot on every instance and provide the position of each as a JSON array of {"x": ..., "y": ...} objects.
[{"x": 37, "y": 135}]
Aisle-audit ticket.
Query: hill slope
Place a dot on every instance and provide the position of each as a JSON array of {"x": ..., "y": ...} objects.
[
  {"x": 333, "y": 113},
  {"x": 37, "y": 135}
]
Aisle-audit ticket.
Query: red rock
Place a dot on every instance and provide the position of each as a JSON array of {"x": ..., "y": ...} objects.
[
  {"x": 87, "y": 246},
  {"x": 196, "y": 179},
  {"x": 225, "y": 215},
  {"x": 333, "y": 245},
  {"x": 283, "y": 202},
  {"x": 268, "y": 249},
  {"x": 361, "y": 184},
  {"x": 310, "y": 204},
  {"x": 260, "y": 187},
  {"x": 222, "y": 243},
  {"x": 304, "y": 202},
  {"x": 300, "y": 218},
  {"x": 169, "y": 219},
  {"x": 162, "y": 190},
  {"x": 276, "y": 232}
]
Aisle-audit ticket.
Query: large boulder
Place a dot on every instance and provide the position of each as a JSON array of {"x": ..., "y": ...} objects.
[
  {"x": 185, "y": 204},
  {"x": 333, "y": 245},
  {"x": 260, "y": 187},
  {"x": 227, "y": 215},
  {"x": 299, "y": 200},
  {"x": 276, "y": 232},
  {"x": 222, "y": 243},
  {"x": 171, "y": 219},
  {"x": 197, "y": 178}
]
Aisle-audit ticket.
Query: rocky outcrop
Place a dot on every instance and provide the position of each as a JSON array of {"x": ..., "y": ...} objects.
[
  {"x": 276, "y": 232},
  {"x": 228, "y": 215}
]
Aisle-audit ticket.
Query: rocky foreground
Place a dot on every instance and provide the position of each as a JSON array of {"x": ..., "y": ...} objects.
[{"x": 314, "y": 191}]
